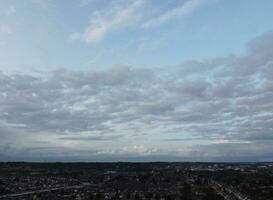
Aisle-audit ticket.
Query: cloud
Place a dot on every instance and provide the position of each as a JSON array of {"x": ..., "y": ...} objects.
[
  {"x": 9, "y": 11},
  {"x": 219, "y": 104},
  {"x": 5, "y": 29},
  {"x": 93, "y": 138},
  {"x": 122, "y": 15},
  {"x": 133, "y": 150},
  {"x": 103, "y": 22},
  {"x": 181, "y": 11},
  {"x": 83, "y": 3},
  {"x": 42, "y": 3}
]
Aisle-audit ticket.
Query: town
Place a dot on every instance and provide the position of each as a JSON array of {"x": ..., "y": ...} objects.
[{"x": 121, "y": 180}]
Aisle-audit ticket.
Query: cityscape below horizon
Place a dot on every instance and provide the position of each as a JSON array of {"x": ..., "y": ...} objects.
[{"x": 135, "y": 181}]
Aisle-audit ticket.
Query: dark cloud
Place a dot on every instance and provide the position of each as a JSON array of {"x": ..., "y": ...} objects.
[{"x": 228, "y": 98}]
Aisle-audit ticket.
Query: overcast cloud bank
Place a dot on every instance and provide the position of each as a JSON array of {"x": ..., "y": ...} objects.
[{"x": 216, "y": 108}]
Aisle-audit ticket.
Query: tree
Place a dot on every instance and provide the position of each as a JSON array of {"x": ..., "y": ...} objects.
[
  {"x": 186, "y": 192},
  {"x": 137, "y": 196},
  {"x": 148, "y": 195},
  {"x": 128, "y": 195},
  {"x": 210, "y": 194}
]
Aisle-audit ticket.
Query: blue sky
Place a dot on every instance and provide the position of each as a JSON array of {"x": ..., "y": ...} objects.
[
  {"x": 41, "y": 32},
  {"x": 136, "y": 79}
]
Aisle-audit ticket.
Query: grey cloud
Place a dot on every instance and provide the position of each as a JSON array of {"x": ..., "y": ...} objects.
[
  {"x": 93, "y": 138},
  {"x": 155, "y": 108},
  {"x": 228, "y": 97}
]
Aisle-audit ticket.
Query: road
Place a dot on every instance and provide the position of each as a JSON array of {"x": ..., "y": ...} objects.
[
  {"x": 227, "y": 192},
  {"x": 43, "y": 191}
]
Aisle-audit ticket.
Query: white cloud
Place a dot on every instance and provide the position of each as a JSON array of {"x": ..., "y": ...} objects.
[
  {"x": 42, "y": 3},
  {"x": 5, "y": 29},
  {"x": 83, "y": 3},
  {"x": 103, "y": 22},
  {"x": 10, "y": 10},
  {"x": 120, "y": 15},
  {"x": 137, "y": 150},
  {"x": 132, "y": 150},
  {"x": 75, "y": 36},
  {"x": 182, "y": 11}
]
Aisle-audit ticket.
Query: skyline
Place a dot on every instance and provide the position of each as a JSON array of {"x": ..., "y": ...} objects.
[{"x": 135, "y": 80}]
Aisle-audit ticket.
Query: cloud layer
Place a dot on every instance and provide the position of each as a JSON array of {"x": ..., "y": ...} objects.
[{"x": 213, "y": 108}]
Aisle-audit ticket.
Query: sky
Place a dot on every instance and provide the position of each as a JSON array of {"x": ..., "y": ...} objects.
[{"x": 136, "y": 80}]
